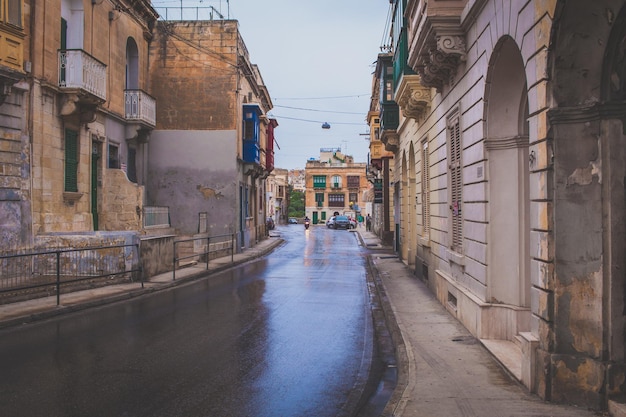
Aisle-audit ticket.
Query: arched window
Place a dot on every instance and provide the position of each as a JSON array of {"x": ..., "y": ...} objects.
[{"x": 132, "y": 65}]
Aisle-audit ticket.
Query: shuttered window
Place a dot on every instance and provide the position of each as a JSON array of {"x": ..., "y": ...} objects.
[
  {"x": 456, "y": 184},
  {"x": 71, "y": 160},
  {"x": 425, "y": 189}
]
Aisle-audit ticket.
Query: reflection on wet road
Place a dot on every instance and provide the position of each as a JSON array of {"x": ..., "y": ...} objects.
[{"x": 288, "y": 335}]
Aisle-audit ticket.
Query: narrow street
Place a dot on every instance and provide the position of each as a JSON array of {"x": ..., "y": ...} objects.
[{"x": 287, "y": 335}]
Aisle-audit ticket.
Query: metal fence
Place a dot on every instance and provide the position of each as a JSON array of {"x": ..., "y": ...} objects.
[
  {"x": 199, "y": 249},
  {"x": 156, "y": 216},
  {"x": 49, "y": 270}
]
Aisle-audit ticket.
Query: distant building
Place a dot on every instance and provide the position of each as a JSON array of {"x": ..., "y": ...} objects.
[
  {"x": 296, "y": 179},
  {"x": 334, "y": 183},
  {"x": 277, "y": 195}
]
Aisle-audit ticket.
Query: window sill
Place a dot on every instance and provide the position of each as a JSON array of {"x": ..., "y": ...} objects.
[
  {"x": 424, "y": 241},
  {"x": 455, "y": 257},
  {"x": 71, "y": 196}
]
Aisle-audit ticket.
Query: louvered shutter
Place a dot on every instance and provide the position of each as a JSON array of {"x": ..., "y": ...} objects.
[
  {"x": 456, "y": 185},
  {"x": 426, "y": 189},
  {"x": 71, "y": 161}
]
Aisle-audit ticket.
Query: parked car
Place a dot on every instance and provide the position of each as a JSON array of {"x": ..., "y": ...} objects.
[
  {"x": 269, "y": 223},
  {"x": 341, "y": 222},
  {"x": 293, "y": 220},
  {"x": 330, "y": 222}
]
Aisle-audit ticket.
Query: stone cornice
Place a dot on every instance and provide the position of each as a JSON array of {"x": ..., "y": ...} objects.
[
  {"x": 587, "y": 113},
  {"x": 412, "y": 97}
]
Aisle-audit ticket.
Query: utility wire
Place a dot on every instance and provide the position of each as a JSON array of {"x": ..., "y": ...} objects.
[
  {"x": 319, "y": 110},
  {"x": 315, "y": 121},
  {"x": 320, "y": 98}
]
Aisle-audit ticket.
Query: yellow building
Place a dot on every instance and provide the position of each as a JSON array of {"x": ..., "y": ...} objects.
[{"x": 334, "y": 183}]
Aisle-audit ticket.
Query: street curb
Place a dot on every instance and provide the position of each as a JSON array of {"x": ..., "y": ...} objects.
[
  {"x": 61, "y": 310},
  {"x": 401, "y": 354}
]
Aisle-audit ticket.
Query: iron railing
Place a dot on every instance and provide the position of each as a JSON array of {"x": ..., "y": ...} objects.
[
  {"x": 190, "y": 13},
  {"x": 140, "y": 106},
  {"x": 156, "y": 216},
  {"x": 200, "y": 248},
  {"x": 54, "y": 268}
]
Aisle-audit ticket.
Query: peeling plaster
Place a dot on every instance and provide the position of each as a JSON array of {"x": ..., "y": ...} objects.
[
  {"x": 578, "y": 308},
  {"x": 209, "y": 192}
]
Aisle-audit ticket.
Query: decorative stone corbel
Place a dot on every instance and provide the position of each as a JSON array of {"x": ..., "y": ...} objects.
[
  {"x": 412, "y": 97},
  {"x": 391, "y": 139},
  {"x": 438, "y": 66}
]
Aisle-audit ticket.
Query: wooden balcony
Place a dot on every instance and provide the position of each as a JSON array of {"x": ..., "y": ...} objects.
[{"x": 140, "y": 107}]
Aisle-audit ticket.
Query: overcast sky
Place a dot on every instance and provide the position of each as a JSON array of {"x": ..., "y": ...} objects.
[{"x": 316, "y": 59}]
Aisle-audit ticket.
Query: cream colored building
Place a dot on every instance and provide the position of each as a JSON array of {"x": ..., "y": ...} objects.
[
  {"x": 507, "y": 124},
  {"x": 277, "y": 194},
  {"x": 334, "y": 183}
]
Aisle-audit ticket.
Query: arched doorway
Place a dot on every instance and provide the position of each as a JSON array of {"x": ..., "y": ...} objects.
[{"x": 508, "y": 271}]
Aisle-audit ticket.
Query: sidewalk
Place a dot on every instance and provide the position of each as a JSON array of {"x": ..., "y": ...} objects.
[
  {"x": 442, "y": 370},
  {"x": 42, "y": 308}
]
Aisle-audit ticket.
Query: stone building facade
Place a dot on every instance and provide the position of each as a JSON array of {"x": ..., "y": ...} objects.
[
  {"x": 508, "y": 134},
  {"x": 213, "y": 145},
  {"x": 76, "y": 121},
  {"x": 334, "y": 183},
  {"x": 277, "y": 186}
]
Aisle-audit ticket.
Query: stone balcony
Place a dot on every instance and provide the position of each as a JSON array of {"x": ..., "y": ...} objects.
[{"x": 140, "y": 107}]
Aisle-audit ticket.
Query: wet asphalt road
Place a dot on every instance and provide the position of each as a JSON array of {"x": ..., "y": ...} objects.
[{"x": 288, "y": 335}]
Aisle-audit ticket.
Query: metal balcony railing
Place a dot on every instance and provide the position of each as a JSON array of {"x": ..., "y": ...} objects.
[
  {"x": 78, "y": 69},
  {"x": 140, "y": 106}
]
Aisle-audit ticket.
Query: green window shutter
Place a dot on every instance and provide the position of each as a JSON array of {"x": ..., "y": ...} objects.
[{"x": 71, "y": 161}]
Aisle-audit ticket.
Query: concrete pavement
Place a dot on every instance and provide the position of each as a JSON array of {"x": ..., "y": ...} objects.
[{"x": 442, "y": 370}]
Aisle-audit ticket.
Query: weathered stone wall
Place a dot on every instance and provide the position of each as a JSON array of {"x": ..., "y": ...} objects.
[
  {"x": 15, "y": 159},
  {"x": 194, "y": 172},
  {"x": 195, "y": 60},
  {"x": 122, "y": 203}
]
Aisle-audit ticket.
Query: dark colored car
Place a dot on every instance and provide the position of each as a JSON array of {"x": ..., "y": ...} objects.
[{"x": 341, "y": 222}]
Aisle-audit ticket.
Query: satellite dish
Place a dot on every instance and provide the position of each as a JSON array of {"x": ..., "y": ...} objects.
[{"x": 325, "y": 125}]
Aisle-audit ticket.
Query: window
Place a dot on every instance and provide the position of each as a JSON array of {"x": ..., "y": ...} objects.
[
  {"x": 319, "y": 181},
  {"x": 425, "y": 189},
  {"x": 353, "y": 197},
  {"x": 319, "y": 199},
  {"x": 132, "y": 165},
  {"x": 456, "y": 183},
  {"x": 113, "y": 156},
  {"x": 71, "y": 160},
  {"x": 336, "y": 200},
  {"x": 336, "y": 181},
  {"x": 354, "y": 181},
  {"x": 13, "y": 12},
  {"x": 248, "y": 129}
]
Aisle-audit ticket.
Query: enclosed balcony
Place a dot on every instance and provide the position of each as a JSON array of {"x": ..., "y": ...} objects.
[
  {"x": 140, "y": 107},
  {"x": 82, "y": 73}
]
